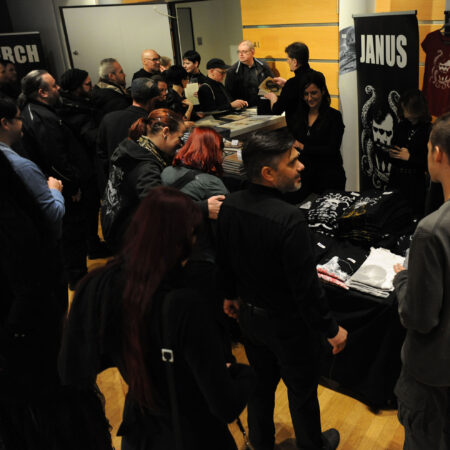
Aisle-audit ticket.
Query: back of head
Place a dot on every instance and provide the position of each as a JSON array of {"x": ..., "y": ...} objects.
[
  {"x": 176, "y": 74},
  {"x": 143, "y": 90},
  {"x": 72, "y": 79},
  {"x": 106, "y": 67},
  {"x": 298, "y": 51},
  {"x": 193, "y": 56},
  {"x": 415, "y": 103},
  {"x": 165, "y": 62},
  {"x": 440, "y": 134},
  {"x": 155, "y": 122},
  {"x": 203, "y": 151},
  {"x": 31, "y": 83},
  {"x": 159, "y": 238},
  {"x": 265, "y": 149},
  {"x": 8, "y": 108}
]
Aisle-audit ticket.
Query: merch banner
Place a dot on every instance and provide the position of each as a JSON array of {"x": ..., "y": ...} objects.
[
  {"x": 387, "y": 63},
  {"x": 24, "y": 50}
]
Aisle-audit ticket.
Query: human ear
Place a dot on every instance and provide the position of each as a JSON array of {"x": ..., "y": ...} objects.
[{"x": 267, "y": 174}]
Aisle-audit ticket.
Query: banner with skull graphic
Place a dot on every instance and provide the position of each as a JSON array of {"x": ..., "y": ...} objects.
[{"x": 387, "y": 57}]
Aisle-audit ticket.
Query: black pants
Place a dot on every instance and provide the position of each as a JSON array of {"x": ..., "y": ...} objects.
[
  {"x": 424, "y": 412},
  {"x": 282, "y": 348}
]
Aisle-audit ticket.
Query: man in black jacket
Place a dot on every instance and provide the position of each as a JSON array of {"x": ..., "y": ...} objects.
[
  {"x": 282, "y": 309},
  {"x": 245, "y": 76},
  {"x": 212, "y": 94},
  {"x": 151, "y": 63},
  {"x": 115, "y": 125},
  {"x": 50, "y": 143},
  {"x": 290, "y": 99},
  {"x": 109, "y": 93}
]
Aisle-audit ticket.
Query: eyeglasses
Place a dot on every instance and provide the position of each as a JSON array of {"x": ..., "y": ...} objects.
[
  {"x": 152, "y": 59},
  {"x": 18, "y": 118},
  {"x": 243, "y": 51},
  {"x": 222, "y": 72}
]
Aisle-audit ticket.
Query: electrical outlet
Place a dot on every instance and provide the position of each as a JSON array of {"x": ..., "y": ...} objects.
[{"x": 199, "y": 40}]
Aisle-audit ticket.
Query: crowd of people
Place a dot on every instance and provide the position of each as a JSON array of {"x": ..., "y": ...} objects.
[{"x": 187, "y": 256}]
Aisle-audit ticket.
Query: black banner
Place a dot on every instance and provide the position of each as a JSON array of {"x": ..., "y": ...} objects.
[
  {"x": 387, "y": 62},
  {"x": 24, "y": 50}
]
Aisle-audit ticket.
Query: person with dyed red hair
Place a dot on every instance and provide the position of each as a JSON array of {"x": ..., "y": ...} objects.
[{"x": 119, "y": 315}]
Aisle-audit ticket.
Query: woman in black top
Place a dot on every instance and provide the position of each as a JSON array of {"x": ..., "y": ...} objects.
[
  {"x": 409, "y": 153},
  {"x": 117, "y": 319},
  {"x": 319, "y": 129}
]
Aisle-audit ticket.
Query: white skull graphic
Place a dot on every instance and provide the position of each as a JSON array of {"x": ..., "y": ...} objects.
[
  {"x": 383, "y": 132},
  {"x": 444, "y": 67}
]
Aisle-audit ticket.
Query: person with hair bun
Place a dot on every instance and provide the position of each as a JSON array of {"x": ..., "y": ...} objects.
[{"x": 131, "y": 303}]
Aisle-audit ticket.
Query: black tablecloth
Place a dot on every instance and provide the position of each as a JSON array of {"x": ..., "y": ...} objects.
[{"x": 370, "y": 364}]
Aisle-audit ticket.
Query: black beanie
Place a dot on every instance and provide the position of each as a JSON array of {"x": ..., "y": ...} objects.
[{"x": 72, "y": 79}]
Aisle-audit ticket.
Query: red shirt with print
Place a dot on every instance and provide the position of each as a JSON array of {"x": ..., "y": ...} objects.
[{"x": 436, "y": 81}]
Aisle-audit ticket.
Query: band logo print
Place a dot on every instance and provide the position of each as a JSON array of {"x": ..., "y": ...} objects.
[{"x": 387, "y": 62}]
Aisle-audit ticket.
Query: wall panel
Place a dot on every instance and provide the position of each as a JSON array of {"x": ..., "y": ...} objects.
[
  {"x": 426, "y": 9},
  {"x": 268, "y": 12},
  {"x": 323, "y": 42}
]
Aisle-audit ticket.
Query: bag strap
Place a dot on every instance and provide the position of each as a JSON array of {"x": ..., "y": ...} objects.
[
  {"x": 168, "y": 358},
  {"x": 186, "y": 178}
]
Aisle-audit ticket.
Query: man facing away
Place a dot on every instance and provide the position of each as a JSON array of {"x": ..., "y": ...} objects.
[
  {"x": 245, "y": 76},
  {"x": 151, "y": 64},
  {"x": 265, "y": 253},
  {"x": 423, "y": 292}
]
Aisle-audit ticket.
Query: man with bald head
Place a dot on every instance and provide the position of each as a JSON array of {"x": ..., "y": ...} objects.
[
  {"x": 151, "y": 62},
  {"x": 245, "y": 76}
]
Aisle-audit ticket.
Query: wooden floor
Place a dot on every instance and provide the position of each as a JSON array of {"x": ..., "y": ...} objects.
[{"x": 360, "y": 428}]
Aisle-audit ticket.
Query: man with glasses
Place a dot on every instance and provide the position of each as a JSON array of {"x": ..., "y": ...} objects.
[
  {"x": 151, "y": 63},
  {"x": 212, "y": 94},
  {"x": 245, "y": 76}
]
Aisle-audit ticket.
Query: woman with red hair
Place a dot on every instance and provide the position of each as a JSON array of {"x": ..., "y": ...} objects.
[{"x": 119, "y": 317}]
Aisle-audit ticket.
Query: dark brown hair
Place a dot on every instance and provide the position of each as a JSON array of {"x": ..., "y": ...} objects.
[{"x": 154, "y": 122}]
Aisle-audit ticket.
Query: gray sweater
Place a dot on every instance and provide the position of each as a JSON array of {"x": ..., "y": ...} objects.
[{"x": 423, "y": 293}]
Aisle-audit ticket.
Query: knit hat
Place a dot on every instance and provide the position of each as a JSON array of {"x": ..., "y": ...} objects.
[{"x": 72, "y": 79}]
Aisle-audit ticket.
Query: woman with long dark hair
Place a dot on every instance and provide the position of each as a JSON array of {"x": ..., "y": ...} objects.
[
  {"x": 409, "y": 151},
  {"x": 117, "y": 320},
  {"x": 136, "y": 167},
  {"x": 319, "y": 129}
]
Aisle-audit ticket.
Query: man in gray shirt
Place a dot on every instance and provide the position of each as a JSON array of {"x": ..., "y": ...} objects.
[{"x": 423, "y": 292}]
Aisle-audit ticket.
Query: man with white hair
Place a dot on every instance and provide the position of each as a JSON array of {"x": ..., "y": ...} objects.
[
  {"x": 244, "y": 77},
  {"x": 109, "y": 93}
]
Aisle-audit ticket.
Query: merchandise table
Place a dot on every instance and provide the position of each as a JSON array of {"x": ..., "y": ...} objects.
[{"x": 368, "y": 368}]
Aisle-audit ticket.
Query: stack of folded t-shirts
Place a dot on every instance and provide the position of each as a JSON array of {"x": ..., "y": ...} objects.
[
  {"x": 376, "y": 274},
  {"x": 326, "y": 209},
  {"x": 340, "y": 262},
  {"x": 374, "y": 216}
]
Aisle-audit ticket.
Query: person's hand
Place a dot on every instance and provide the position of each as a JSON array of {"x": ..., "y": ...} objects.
[
  {"x": 339, "y": 341},
  {"x": 271, "y": 96},
  {"x": 187, "y": 103},
  {"x": 201, "y": 114},
  {"x": 398, "y": 268},
  {"x": 239, "y": 104},
  {"x": 280, "y": 81},
  {"x": 77, "y": 197},
  {"x": 399, "y": 153},
  {"x": 53, "y": 183},
  {"x": 189, "y": 124},
  {"x": 231, "y": 308},
  {"x": 214, "y": 204}
]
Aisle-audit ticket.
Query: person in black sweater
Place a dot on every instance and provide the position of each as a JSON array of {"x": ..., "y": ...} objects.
[
  {"x": 319, "y": 129},
  {"x": 191, "y": 62},
  {"x": 409, "y": 152},
  {"x": 119, "y": 317},
  {"x": 115, "y": 125},
  {"x": 212, "y": 94},
  {"x": 289, "y": 100},
  {"x": 178, "y": 78},
  {"x": 283, "y": 310}
]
